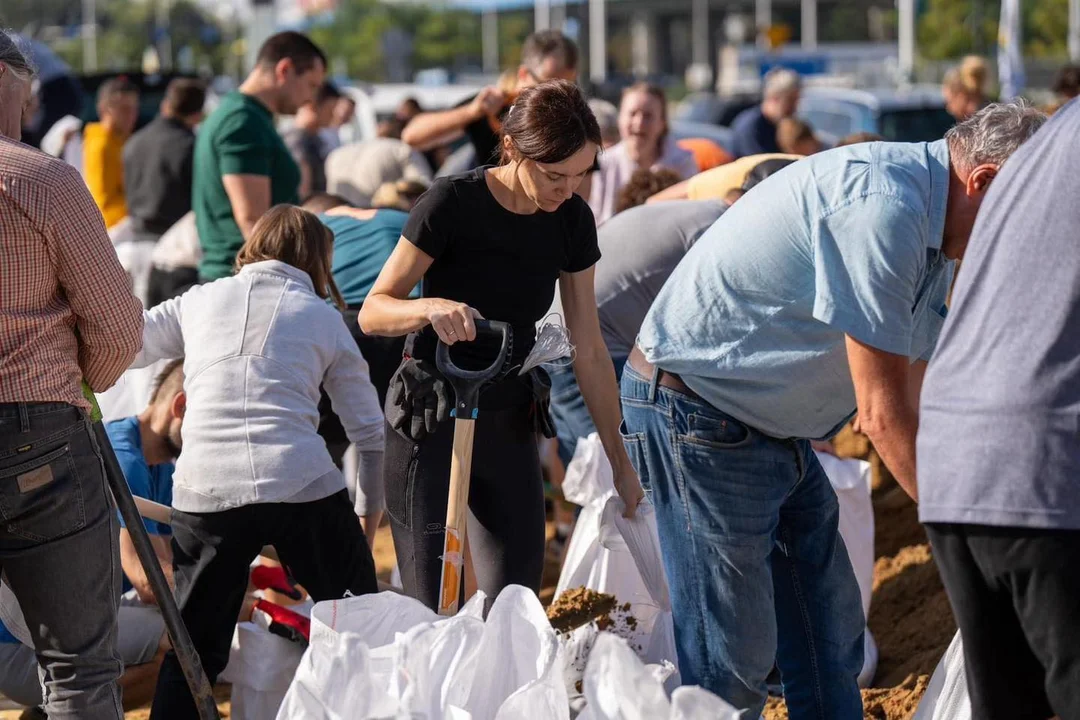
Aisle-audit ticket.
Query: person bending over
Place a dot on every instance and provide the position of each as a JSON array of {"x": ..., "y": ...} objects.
[
  {"x": 491, "y": 243},
  {"x": 257, "y": 347}
]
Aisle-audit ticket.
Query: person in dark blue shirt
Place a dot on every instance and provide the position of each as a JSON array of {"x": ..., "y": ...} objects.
[{"x": 755, "y": 128}]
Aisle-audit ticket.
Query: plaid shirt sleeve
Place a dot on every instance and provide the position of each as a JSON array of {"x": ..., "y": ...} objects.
[{"x": 108, "y": 318}]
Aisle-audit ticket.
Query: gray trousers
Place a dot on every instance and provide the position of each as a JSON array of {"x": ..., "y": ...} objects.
[{"x": 139, "y": 636}]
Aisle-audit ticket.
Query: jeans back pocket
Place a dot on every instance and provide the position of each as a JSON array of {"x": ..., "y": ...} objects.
[{"x": 41, "y": 498}]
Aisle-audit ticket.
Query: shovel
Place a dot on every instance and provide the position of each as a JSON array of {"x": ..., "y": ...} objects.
[
  {"x": 186, "y": 654},
  {"x": 466, "y": 384}
]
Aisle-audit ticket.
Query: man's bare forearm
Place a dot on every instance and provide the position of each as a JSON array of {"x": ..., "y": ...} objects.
[
  {"x": 426, "y": 128},
  {"x": 893, "y": 437}
]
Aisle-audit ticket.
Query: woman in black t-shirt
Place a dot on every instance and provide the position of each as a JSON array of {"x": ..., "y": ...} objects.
[{"x": 491, "y": 244}]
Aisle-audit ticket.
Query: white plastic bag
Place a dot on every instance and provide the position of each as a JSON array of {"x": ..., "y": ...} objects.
[
  {"x": 519, "y": 672},
  {"x": 850, "y": 479},
  {"x": 418, "y": 665},
  {"x": 618, "y": 686},
  {"x": 348, "y": 668},
  {"x": 261, "y": 668},
  {"x": 946, "y": 697},
  {"x": 611, "y": 554}
]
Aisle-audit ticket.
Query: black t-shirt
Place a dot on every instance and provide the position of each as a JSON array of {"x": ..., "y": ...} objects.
[
  {"x": 484, "y": 140},
  {"x": 499, "y": 262}
]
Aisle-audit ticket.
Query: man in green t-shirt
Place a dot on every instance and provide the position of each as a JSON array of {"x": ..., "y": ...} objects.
[{"x": 242, "y": 167}]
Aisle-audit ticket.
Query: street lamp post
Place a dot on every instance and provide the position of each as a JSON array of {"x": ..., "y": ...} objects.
[
  {"x": 809, "y": 24},
  {"x": 597, "y": 41},
  {"x": 89, "y": 35},
  {"x": 906, "y": 39},
  {"x": 490, "y": 23},
  {"x": 1074, "y": 30},
  {"x": 542, "y": 15}
]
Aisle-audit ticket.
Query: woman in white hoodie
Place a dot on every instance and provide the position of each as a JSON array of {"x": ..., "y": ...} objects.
[{"x": 254, "y": 471}]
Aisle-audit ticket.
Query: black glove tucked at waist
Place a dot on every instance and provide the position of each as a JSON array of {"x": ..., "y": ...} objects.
[{"x": 418, "y": 399}]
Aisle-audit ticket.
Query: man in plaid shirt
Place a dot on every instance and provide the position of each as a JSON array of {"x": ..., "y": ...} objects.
[{"x": 66, "y": 314}]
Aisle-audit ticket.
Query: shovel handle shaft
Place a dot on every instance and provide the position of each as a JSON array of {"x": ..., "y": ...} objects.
[
  {"x": 457, "y": 515},
  {"x": 190, "y": 663}
]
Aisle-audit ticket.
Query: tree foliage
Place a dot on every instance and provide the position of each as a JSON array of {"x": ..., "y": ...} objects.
[{"x": 951, "y": 28}]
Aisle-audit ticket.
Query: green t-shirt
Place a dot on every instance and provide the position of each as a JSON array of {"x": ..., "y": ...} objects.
[{"x": 239, "y": 138}]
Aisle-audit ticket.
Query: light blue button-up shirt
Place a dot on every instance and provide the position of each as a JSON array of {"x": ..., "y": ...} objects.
[{"x": 847, "y": 242}]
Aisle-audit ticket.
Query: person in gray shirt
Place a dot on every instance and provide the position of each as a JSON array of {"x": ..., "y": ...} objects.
[
  {"x": 639, "y": 250},
  {"x": 998, "y": 449},
  {"x": 305, "y": 142}
]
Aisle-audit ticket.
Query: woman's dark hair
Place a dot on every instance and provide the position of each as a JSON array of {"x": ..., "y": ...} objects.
[{"x": 548, "y": 123}]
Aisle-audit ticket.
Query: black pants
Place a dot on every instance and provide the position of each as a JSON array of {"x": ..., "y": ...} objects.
[
  {"x": 320, "y": 543},
  {"x": 506, "y": 504},
  {"x": 383, "y": 356},
  {"x": 1016, "y": 595}
]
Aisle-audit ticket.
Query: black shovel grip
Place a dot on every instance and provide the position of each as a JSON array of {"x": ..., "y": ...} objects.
[{"x": 467, "y": 383}]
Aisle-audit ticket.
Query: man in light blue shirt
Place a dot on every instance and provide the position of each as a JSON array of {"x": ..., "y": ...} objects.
[{"x": 821, "y": 291}]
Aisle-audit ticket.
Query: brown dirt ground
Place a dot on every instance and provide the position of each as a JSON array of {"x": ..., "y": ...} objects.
[{"x": 909, "y": 614}]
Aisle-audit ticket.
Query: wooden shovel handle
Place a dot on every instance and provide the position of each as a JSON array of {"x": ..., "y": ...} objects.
[{"x": 457, "y": 515}]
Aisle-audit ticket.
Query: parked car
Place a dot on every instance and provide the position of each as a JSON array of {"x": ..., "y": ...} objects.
[
  {"x": 684, "y": 130},
  {"x": 712, "y": 109},
  {"x": 915, "y": 114}
]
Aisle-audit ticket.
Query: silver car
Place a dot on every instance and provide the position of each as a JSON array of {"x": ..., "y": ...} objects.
[{"x": 915, "y": 114}]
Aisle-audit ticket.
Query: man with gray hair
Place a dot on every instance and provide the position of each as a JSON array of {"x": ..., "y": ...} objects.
[
  {"x": 67, "y": 316},
  {"x": 754, "y": 129},
  {"x": 822, "y": 291}
]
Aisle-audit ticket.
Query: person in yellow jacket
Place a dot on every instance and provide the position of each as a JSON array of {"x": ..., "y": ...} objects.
[{"x": 103, "y": 147}]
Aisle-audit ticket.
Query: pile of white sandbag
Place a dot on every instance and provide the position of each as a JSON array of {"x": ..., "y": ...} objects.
[{"x": 388, "y": 656}]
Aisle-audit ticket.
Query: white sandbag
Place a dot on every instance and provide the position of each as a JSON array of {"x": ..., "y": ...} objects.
[
  {"x": 946, "y": 697},
  {"x": 261, "y": 668},
  {"x": 851, "y": 479},
  {"x": 519, "y": 672},
  {"x": 611, "y": 554},
  {"x": 334, "y": 682},
  {"x": 426, "y": 666},
  {"x": 376, "y": 617},
  {"x": 588, "y": 476},
  {"x": 618, "y": 686}
]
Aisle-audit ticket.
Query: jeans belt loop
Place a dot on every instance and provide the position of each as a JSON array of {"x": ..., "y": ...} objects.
[
  {"x": 654, "y": 382},
  {"x": 24, "y": 418}
]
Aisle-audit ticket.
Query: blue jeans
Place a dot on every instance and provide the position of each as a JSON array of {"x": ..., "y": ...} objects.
[
  {"x": 758, "y": 572},
  {"x": 572, "y": 419},
  {"x": 59, "y": 547}
]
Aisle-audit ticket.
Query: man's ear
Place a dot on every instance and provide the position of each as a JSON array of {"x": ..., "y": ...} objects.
[
  {"x": 978, "y": 181},
  {"x": 281, "y": 70},
  {"x": 179, "y": 405}
]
